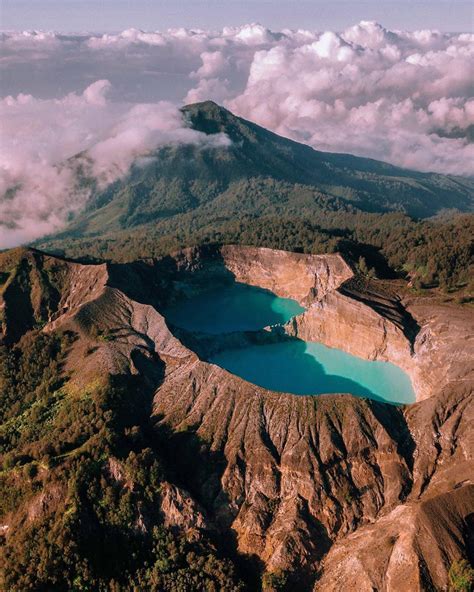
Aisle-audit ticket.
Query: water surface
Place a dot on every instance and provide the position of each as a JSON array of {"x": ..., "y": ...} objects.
[
  {"x": 237, "y": 307},
  {"x": 292, "y": 365},
  {"x": 306, "y": 368}
]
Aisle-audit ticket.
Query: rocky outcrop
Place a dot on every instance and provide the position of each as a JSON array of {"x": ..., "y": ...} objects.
[
  {"x": 444, "y": 347},
  {"x": 341, "y": 492},
  {"x": 432, "y": 342},
  {"x": 340, "y": 321},
  {"x": 408, "y": 549},
  {"x": 289, "y": 275},
  {"x": 375, "y": 556}
]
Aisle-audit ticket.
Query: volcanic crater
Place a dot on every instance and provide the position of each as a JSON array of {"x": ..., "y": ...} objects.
[{"x": 314, "y": 485}]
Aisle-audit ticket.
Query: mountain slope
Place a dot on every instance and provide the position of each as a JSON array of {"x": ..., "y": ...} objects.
[{"x": 260, "y": 173}]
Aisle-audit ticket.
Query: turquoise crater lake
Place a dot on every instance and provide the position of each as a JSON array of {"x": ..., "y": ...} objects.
[
  {"x": 305, "y": 368},
  {"x": 291, "y": 365},
  {"x": 235, "y": 307}
]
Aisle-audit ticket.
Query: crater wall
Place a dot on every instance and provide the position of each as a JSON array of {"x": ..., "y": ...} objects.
[{"x": 432, "y": 342}]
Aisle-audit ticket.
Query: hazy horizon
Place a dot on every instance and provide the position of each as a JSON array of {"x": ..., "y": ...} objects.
[{"x": 73, "y": 16}]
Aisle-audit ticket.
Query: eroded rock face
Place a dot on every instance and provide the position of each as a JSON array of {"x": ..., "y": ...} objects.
[
  {"x": 289, "y": 275},
  {"x": 301, "y": 473},
  {"x": 433, "y": 343},
  {"x": 344, "y": 493},
  {"x": 345, "y": 323},
  {"x": 411, "y": 543}
]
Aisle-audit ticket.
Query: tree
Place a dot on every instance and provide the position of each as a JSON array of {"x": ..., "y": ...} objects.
[
  {"x": 362, "y": 266},
  {"x": 461, "y": 576},
  {"x": 274, "y": 581}
]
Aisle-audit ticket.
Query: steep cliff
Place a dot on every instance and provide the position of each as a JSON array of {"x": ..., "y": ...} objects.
[
  {"x": 432, "y": 342},
  {"x": 337, "y": 491}
]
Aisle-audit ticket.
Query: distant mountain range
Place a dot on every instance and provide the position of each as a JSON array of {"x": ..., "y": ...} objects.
[{"x": 259, "y": 174}]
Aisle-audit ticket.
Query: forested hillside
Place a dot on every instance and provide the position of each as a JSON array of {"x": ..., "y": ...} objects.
[
  {"x": 434, "y": 253},
  {"x": 83, "y": 475}
]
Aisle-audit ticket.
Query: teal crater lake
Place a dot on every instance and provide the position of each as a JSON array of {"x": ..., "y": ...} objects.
[
  {"x": 235, "y": 307},
  {"x": 289, "y": 365},
  {"x": 307, "y": 368}
]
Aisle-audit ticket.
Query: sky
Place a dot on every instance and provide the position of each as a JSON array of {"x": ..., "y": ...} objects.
[
  {"x": 114, "y": 15},
  {"x": 339, "y": 77}
]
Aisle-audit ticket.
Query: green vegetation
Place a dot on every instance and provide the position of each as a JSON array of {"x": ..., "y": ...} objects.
[
  {"x": 29, "y": 371},
  {"x": 266, "y": 190},
  {"x": 275, "y": 581},
  {"x": 80, "y": 485},
  {"x": 432, "y": 252},
  {"x": 30, "y": 293},
  {"x": 461, "y": 576}
]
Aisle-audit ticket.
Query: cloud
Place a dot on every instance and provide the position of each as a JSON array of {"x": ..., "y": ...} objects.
[
  {"x": 400, "y": 96},
  {"x": 213, "y": 63},
  {"x": 140, "y": 130},
  {"x": 39, "y": 189},
  {"x": 395, "y": 96}
]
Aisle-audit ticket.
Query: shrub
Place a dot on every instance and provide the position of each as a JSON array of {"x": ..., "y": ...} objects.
[
  {"x": 461, "y": 576},
  {"x": 274, "y": 581}
]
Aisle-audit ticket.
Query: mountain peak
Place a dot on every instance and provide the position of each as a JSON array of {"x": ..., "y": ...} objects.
[
  {"x": 211, "y": 118},
  {"x": 207, "y": 106},
  {"x": 259, "y": 174}
]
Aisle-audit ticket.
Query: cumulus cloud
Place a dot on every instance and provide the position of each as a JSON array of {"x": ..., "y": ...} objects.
[
  {"x": 394, "y": 96},
  {"x": 404, "y": 97},
  {"x": 39, "y": 188}
]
